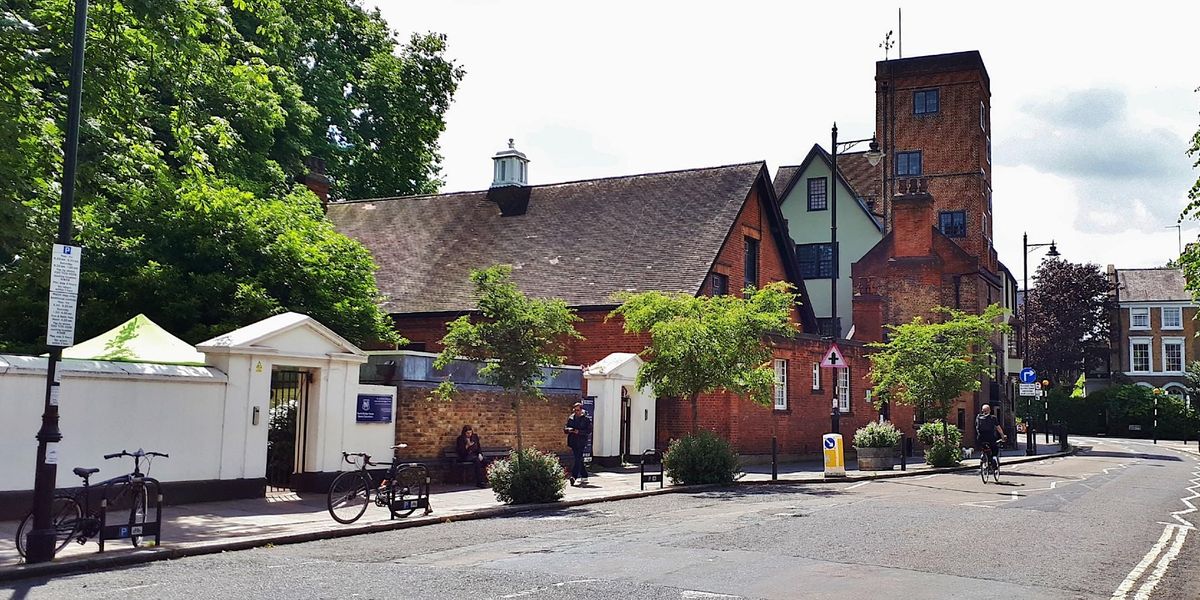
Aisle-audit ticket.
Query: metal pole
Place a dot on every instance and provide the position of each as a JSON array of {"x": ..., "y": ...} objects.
[
  {"x": 40, "y": 543},
  {"x": 903, "y": 452},
  {"x": 1030, "y": 440},
  {"x": 774, "y": 459},
  {"x": 836, "y": 414},
  {"x": 1155, "y": 418},
  {"x": 1046, "y": 415},
  {"x": 833, "y": 282}
]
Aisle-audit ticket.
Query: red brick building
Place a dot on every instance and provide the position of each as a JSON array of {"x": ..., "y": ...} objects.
[
  {"x": 933, "y": 116},
  {"x": 698, "y": 231}
]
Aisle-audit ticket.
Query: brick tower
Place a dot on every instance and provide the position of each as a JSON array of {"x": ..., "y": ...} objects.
[{"x": 933, "y": 117}]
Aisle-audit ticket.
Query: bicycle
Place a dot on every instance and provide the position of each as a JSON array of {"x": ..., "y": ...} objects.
[
  {"x": 986, "y": 466},
  {"x": 73, "y": 518},
  {"x": 403, "y": 490}
]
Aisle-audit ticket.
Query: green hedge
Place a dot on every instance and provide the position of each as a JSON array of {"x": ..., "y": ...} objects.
[
  {"x": 942, "y": 443},
  {"x": 540, "y": 478},
  {"x": 703, "y": 457}
]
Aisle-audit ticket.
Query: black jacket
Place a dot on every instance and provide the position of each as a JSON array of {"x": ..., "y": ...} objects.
[
  {"x": 467, "y": 448},
  {"x": 584, "y": 424}
]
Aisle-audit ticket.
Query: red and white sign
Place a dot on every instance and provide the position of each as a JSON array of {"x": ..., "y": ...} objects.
[{"x": 834, "y": 359}]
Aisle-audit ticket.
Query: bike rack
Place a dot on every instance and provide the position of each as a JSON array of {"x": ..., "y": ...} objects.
[
  {"x": 127, "y": 530},
  {"x": 422, "y": 499},
  {"x": 655, "y": 458}
]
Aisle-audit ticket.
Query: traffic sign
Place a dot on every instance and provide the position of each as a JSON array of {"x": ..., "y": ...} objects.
[
  {"x": 1029, "y": 389},
  {"x": 1028, "y": 375},
  {"x": 834, "y": 359}
]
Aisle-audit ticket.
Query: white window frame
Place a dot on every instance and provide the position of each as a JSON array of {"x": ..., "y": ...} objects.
[
  {"x": 1137, "y": 311},
  {"x": 1163, "y": 317},
  {"x": 1173, "y": 341},
  {"x": 781, "y": 399},
  {"x": 843, "y": 389},
  {"x": 1149, "y": 343},
  {"x": 816, "y": 384}
]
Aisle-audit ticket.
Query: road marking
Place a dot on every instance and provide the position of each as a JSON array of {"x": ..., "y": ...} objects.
[
  {"x": 690, "y": 594},
  {"x": 1131, "y": 579},
  {"x": 544, "y": 588},
  {"x": 1163, "y": 564},
  {"x": 860, "y": 484},
  {"x": 928, "y": 476}
]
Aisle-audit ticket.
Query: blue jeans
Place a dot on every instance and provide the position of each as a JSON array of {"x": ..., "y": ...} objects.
[{"x": 577, "y": 469}]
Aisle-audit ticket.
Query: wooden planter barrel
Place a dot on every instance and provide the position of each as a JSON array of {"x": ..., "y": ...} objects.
[{"x": 876, "y": 459}]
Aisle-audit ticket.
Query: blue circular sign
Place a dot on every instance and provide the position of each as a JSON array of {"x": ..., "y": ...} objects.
[
  {"x": 830, "y": 443},
  {"x": 1028, "y": 375}
]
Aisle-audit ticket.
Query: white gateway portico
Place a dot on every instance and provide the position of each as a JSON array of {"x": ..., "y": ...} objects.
[{"x": 623, "y": 420}]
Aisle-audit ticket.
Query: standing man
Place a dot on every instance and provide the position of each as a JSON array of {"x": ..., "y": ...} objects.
[{"x": 578, "y": 426}]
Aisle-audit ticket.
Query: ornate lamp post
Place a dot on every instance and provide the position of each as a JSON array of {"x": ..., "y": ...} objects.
[{"x": 1027, "y": 319}]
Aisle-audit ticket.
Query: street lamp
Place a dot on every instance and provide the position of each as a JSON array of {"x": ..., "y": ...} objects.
[
  {"x": 1053, "y": 253},
  {"x": 873, "y": 155}
]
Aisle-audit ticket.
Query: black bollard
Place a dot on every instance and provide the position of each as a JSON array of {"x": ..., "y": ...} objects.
[
  {"x": 903, "y": 452},
  {"x": 774, "y": 460}
]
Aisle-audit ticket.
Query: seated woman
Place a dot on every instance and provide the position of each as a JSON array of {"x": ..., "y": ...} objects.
[{"x": 470, "y": 451}]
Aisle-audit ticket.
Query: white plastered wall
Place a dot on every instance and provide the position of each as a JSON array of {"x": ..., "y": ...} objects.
[{"x": 605, "y": 380}]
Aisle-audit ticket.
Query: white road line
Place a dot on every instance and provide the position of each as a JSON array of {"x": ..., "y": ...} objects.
[
  {"x": 1131, "y": 579},
  {"x": 860, "y": 484},
  {"x": 694, "y": 594},
  {"x": 1163, "y": 564},
  {"x": 927, "y": 476}
]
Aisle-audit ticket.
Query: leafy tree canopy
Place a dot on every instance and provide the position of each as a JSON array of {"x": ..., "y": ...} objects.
[
  {"x": 197, "y": 119},
  {"x": 1189, "y": 261},
  {"x": 517, "y": 337},
  {"x": 701, "y": 344},
  {"x": 928, "y": 365},
  {"x": 1067, "y": 312}
]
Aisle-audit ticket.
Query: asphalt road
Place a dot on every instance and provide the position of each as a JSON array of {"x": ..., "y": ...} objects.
[{"x": 1097, "y": 525}]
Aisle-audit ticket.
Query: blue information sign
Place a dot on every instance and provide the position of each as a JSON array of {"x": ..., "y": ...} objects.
[
  {"x": 374, "y": 408},
  {"x": 1028, "y": 375}
]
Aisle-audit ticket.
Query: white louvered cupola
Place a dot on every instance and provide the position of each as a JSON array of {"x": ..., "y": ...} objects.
[{"x": 510, "y": 167}]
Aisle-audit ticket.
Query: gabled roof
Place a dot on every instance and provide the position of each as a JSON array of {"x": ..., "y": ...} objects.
[
  {"x": 256, "y": 336},
  {"x": 1152, "y": 285},
  {"x": 137, "y": 340},
  {"x": 787, "y": 177},
  {"x": 581, "y": 241}
]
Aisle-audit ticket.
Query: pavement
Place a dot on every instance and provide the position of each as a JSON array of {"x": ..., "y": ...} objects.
[{"x": 212, "y": 527}]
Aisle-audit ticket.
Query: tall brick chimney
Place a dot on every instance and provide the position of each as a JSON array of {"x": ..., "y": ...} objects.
[
  {"x": 316, "y": 179},
  {"x": 912, "y": 218}
]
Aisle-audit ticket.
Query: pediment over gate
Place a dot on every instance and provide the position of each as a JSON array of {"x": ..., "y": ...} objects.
[
  {"x": 285, "y": 335},
  {"x": 618, "y": 365}
]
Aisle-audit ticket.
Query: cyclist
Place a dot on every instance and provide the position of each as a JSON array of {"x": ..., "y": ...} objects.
[{"x": 987, "y": 432}]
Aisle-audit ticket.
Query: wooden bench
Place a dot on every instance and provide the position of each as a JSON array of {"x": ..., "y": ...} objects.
[{"x": 458, "y": 470}]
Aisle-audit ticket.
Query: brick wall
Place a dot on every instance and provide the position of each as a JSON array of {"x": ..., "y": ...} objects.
[{"x": 430, "y": 427}]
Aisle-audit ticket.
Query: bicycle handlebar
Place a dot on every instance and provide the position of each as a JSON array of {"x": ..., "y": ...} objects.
[{"x": 140, "y": 453}]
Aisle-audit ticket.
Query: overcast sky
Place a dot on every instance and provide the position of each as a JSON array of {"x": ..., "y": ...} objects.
[{"x": 1093, "y": 103}]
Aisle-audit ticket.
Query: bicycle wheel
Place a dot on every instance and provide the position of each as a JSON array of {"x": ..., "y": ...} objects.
[
  {"x": 996, "y": 471},
  {"x": 407, "y": 489},
  {"x": 349, "y": 495},
  {"x": 983, "y": 467},
  {"x": 137, "y": 515},
  {"x": 65, "y": 516}
]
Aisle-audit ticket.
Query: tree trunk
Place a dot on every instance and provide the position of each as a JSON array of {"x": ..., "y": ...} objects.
[
  {"x": 695, "y": 413},
  {"x": 520, "y": 442}
]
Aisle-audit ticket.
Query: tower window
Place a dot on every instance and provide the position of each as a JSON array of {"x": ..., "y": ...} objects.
[
  {"x": 908, "y": 163},
  {"x": 926, "y": 102},
  {"x": 953, "y": 223}
]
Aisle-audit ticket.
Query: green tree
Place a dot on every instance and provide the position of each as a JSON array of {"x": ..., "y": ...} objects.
[
  {"x": 701, "y": 344},
  {"x": 516, "y": 337},
  {"x": 1189, "y": 261},
  {"x": 1068, "y": 313},
  {"x": 197, "y": 119},
  {"x": 929, "y": 365}
]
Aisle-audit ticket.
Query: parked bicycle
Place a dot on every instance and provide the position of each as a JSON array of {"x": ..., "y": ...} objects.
[
  {"x": 403, "y": 490},
  {"x": 73, "y": 518}
]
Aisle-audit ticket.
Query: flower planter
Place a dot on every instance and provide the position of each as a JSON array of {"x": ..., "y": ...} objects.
[{"x": 875, "y": 459}]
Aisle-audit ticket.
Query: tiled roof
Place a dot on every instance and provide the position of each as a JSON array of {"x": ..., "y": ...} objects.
[
  {"x": 862, "y": 177},
  {"x": 783, "y": 179},
  {"x": 1145, "y": 285},
  {"x": 580, "y": 241}
]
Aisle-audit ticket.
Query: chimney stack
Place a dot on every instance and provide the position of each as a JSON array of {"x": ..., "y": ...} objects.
[
  {"x": 316, "y": 179},
  {"x": 912, "y": 218}
]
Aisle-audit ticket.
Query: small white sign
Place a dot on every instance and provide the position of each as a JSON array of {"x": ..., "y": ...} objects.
[
  {"x": 60, "y": 323},
  {"x": 1029, "y": 389},
  {"x": 64, "y": 269},
  {"x": 52, "y": 453},
  {"x": 54, "y": 389}
]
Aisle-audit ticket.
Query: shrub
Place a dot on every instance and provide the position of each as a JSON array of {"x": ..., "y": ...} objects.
[
  {"x": 539, "y": 479},
  {"x": 877, "y": 435},
  {"x": 703, "y": 457},
  {"x": 941, "y": 449}
]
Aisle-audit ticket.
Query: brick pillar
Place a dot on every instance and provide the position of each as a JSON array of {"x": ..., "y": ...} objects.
[{"x": 912, "y": 219}]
